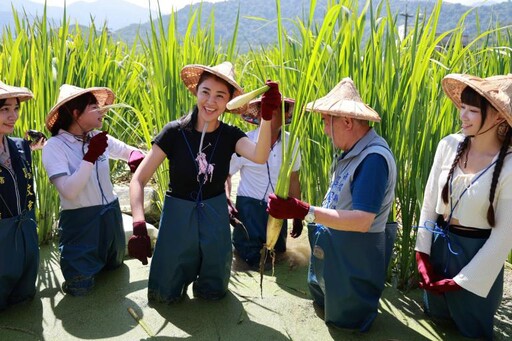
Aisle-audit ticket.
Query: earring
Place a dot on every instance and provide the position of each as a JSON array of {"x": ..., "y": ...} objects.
[{"x": 503, "y": 128}]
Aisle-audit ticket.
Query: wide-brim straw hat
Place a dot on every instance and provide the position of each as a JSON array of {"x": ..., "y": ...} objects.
[
  {"x": 497, "y": 90},
  {"x": 344, "y": 101},
  {"x": 253, "y": 112},
  {"x": 190, "y": 74},
  {"x": 9, "y": 91},
  {"x": 67, "y": 92}
]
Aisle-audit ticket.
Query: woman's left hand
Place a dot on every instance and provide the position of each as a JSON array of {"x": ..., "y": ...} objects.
[{"x": 444, "y": 285}]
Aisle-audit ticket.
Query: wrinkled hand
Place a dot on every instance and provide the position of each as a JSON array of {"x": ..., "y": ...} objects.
[
  {"x": 139, "y": 244},
  {"x": 287, "y": 208},
  {"x": 97, "y": 146},
  {"x": 270, "y": 101},
  {"x": 425, "y": 270},
  {"x": 135, "y": 159},
  {"x": 233, "y": 214},
  {"x": 297, "y": 228},
  {"x": 444, "y": 285}
]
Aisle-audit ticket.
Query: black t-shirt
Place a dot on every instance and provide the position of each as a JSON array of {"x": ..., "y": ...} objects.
[{"x": 181, "y": 147}]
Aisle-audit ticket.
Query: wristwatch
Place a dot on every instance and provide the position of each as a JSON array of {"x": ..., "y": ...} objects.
[{"x": 310, "y": 217}]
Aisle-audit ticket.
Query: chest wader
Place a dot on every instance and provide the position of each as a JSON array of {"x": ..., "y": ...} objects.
[
  {"x": 451, "y": 251},
  {"x": 346, "y": 275},
  {"x": 253, "y": 214},
  {"x": 19, "y": 258},
  {"x": 91, "y": 239},
  {"x": 193, "y": 246}
]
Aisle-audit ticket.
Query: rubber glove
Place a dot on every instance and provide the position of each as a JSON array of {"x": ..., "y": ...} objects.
[
  {"x": 135, "y": 159},
  {"x": 287, "y": 208},
  {"x": 139, "y": 244},
  {"x": 297, "y": 228},
  {"x": 97, "y": 146},
  {"x": 270, "y": 101}
]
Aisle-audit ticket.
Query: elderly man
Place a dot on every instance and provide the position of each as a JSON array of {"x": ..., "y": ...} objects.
[{"x": 348, "y": 266}]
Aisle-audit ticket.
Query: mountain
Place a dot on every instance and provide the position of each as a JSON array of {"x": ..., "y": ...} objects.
[
  {"x": 257, "y": 26},
  {"x": 257, "y": 18},
  {"x": 116, "y": 13}
]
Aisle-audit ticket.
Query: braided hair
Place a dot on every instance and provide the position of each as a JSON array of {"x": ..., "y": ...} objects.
[
  {"x": 496, "y": 175},
  {"x": 471, "y": 97}
]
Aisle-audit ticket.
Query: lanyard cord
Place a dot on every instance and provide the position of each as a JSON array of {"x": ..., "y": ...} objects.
[{"x": 269, "y": 183}]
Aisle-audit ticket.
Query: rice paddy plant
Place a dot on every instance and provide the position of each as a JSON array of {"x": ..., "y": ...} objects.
[{"x": 398, "y": 76}]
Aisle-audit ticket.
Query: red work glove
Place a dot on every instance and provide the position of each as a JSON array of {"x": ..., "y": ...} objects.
[
  {"x": 270, "y": 101},
  {"x": 297, "y": 228},
  {"x": 444, "y": 285},
  {"x": 233, "y": 214},
  {"x": 425, "y": 270},
  {"x": 134, "y": 160},
  {"x": 286, "y": 208},
  {"x": 139, "y": 244},
  {"x": 97, "y": 146}
]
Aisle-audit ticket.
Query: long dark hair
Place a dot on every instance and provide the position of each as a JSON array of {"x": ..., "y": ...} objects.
[
  {"x": 471, "y": 97},
  {"x": 189, "y": 121},
  {"x": 65, "y": 116}
]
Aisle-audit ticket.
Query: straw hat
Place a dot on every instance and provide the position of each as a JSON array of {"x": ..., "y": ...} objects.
[
  {"x": 9, "y": 91},
  {"x": 496, "y": 89},
  {"x": 253, "y": 112},
  {"x": 190, "y": 75},
  {"x": 67, "y": 92},
  {"x": 344, "y": 100}
]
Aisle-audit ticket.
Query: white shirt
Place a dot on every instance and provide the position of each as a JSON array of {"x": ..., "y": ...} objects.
[
  {"x": 63, "y": 156},
  {"x": 481, "y": 272},
  {"x": 254, "y": 178}
]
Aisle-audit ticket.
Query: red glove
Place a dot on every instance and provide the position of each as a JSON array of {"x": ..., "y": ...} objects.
[
  {"x": 286, "y": 208},
  {"x": 233, "y": 214},
  {"x": 297, "y": 228},
  {"x": 425, "y": 270},
  {"x": 270, "y": 101},
  {"x": 135, "y": 159},
  {"x": 444, "y": 285},
  {"x": 97, "y": 146},
  {"x": 139, "y": 244}
]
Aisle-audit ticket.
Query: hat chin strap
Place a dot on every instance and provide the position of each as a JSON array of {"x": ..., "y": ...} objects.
[{"x": 485, "y": 131}]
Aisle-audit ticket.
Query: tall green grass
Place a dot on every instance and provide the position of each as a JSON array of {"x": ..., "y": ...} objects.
[{"x": 398, "y": 77}]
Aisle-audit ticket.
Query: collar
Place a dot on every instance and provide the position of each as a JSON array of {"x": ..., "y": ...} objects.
[
  {"x": 360, "y": 145},
  {"x": 66, "y": 135}
]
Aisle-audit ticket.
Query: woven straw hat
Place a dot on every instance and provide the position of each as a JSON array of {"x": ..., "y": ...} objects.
[
  {"x": 67, "y": 92},
  {"x": 495, "y": 89},
  {"x": 253, "y": 112},
  {"x": 190, "y": 75},
  {"x": 9, "y": 91},
  {"x": 344, "y": 100}
]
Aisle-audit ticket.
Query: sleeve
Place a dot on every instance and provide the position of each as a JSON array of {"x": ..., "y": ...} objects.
[
  {"x": 430, "y": 196},
  {"x": 298, "y": 159},
  {"x": 118, "y": 149},
  {"x": 371, "y": 176},
  {"x": 479, "y": 274},
  {"x": 235, "y": 164},
  {"x": 55, "y": 166},
  {"x": 165, "y": 138}
]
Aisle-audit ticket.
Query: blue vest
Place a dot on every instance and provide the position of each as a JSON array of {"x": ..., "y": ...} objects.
[{"x": 17, "y": 186}]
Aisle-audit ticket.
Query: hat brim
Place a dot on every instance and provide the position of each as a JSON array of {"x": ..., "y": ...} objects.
[
  {"x": 344, "y": 108},
  {"x": 104, "y": 95},
  {"x": 190, "y": 74},
  {"x": 9, "y": 91},
  {"x": 253, "y": 112},
  {"x": 454, "y": 84}
]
